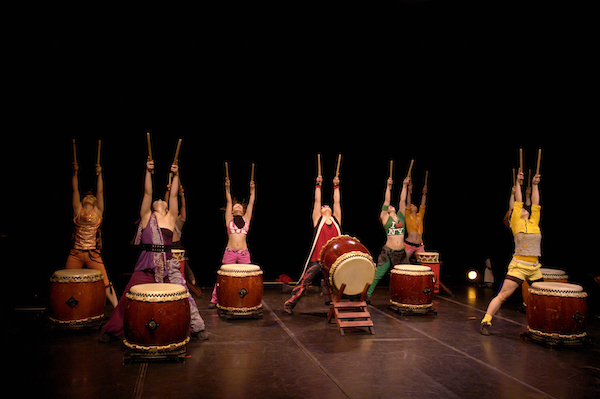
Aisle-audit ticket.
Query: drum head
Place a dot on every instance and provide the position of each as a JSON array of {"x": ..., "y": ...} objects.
[
  {"x": 76, "y": 275},
  {"x": 559, "y": 287},
  {"x": 412, "y": 268},
  {"x": 355, "y": 272},
  {"x": 240, "y": 268},
  {"x": 157, "y": 292}
]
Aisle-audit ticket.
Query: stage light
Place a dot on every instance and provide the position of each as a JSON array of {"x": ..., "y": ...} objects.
[{"x": 472, "y": 275}]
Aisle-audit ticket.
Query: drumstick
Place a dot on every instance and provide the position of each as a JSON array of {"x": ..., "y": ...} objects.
[
  {"x": 226, "y": 171},
  {"x": 391, "y": 167},
  {"x": 412, "y": 161},
  {"x": 337, "y": 171},
  {"x": 426, "y": 177},
  {"x": 521, "y": 170},
  {"x": 98, "y": 155},
  {"x": 74, "y": 152},
  {"x": 252, "y": 173},
  {"x": 318, "y": 164},
  {"x": 539, "y": 159},
  {"x": 176, "y": 159},
  {"x": 149, "y": 149}
]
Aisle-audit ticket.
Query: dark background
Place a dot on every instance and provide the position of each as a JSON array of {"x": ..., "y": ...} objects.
[{"x": 459, "y": 88}]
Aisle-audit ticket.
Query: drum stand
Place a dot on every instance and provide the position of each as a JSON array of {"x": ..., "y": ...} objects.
[
  {"x": 409, "y": 311},
  {"x": 557, "y": 343},
  {"x": 350, "y": 314},
  {"x": 237, "y": 314},
  {"x": 132, "y": 356}
]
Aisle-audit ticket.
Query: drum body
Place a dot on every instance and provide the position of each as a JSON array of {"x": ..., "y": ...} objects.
[
  {"x": 550, "y": 276},
  {"x": 557, "y": 312},
  {"x": 157, "y": 317},
  {"x": 239, "y": 288},
  {"x": 411, "y": 287},
  {"x": 345, "y": 260},
  {"x": 428, "y": 257},
  {"x": 77, "y": 298}
]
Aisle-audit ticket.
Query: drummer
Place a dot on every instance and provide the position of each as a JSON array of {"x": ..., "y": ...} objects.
[
  {"x": 155, "y": 264},
  {"x": 393, "y": 222},
  {"x": 237, "y": 222},
  {"x": 525, "y": 225},
  {"x": 327, "y": 225},
  {"x": 87, "y": 218},
  {"x": 413, "y": 243}
]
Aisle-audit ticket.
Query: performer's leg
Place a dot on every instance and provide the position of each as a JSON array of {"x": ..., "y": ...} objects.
[
  {"x": 508, "y": 288},
  {"x": 94, "y": 261},
  {"x": 383, "y": 265},
  {"x": 75, "y": 260},
  {"x": 314, "y": 270},
  {"x": 175, "y": 277}
]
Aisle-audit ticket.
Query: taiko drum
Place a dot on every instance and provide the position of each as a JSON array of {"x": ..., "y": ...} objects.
[
  {"x": 239, "y": 288},
  {"x": 411, "y": 287},
  {"x": 77, "y": 298}
]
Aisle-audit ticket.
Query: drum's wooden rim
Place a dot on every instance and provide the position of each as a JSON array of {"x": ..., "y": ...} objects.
[
  {"x": 157, "y": 292},
  {"x": 76, "y": 276}
]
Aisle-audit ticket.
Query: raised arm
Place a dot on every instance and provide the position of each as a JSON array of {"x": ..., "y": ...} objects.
[
  {"x": 174, "y": 193},
  {"x": 337, "y": 199},
  {"x": 424, "y": 196},
  {"x": 387, "y": 199},
  {"x": 146, "y": 208},
  {"x": 75, "y": 184},
  {"x": 250, "y": 207},
  {"x": 316, "y": 214},
  {"x": 518, "y": 191},
  {"x": 182, "y": 204},
  {"x": 229, "y": 206},
  {"x": 535, "y": 190},
  {"x": 402, "y": 205},
  {"x": 99, "y": 190}
]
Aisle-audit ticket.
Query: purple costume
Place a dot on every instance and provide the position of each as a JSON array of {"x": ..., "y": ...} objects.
[{"x": 153, "y": 267}]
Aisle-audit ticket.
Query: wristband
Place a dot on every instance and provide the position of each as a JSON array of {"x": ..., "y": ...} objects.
[
  {"x": 385, "y": 207},
  {"x": 336, "y": 187}
]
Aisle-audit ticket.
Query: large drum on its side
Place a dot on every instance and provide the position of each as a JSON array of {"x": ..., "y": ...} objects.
[
  {"x": 77, "y": 298},
  {"x": 345, "y": 260},
  {"x": 557, "y": 312},
  {"x": 411, "y": 287},
  {"x": 550, "y": 276},
  {"x": 157, "y": 317},
  {"x": 239, "y": 288}
]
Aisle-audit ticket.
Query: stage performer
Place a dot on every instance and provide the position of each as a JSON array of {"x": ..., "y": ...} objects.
[
  {"x": 87, "y": 243},
  {"x": 178, "y": 233},
  {"x": 413, "y": 243},
  {"x": 327, "y": 225},
  {"x": 155, "y": 264},
  {"x": 393, "y": 252},
  {"x": 525, "y": 225},
  {"x": 237, "y": 223}
]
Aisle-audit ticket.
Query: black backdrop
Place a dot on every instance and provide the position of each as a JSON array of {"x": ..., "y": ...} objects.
[{"x": 459, "y": 94}]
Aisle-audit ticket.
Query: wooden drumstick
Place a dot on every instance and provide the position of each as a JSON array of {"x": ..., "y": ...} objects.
[
  {"x": 337, "y": 170},
  {"x": 149, "y": 149},
  {"x": 226, "y": 171},
  {"x": 74, "y": 152},
  {"x": 391, "y": 167},
  {"x": 412, "y": 161},
  {"x": 98, "y": 154},
  {"x": 539, "y": 159},
  {"x": 521, "y": 170},
  {"x": 252, "y": 173},
  {"x": 176, "y": 159},
  {"x": 318, "y": 164},
  {"x": 426, "y": 177}
]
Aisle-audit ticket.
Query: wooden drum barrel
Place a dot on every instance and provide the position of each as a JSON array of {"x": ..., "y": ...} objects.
[
  {"x": 157, "y": 317},
  {"x": 345, "y": 260},
  {"x": 239, "y": 288},
  {"x": 557, "y": 312},
  {"x": 77, "y": 298},
  {"x": 411, "y": 287}
]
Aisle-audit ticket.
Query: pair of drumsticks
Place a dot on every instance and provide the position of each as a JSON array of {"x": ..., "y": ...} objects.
[
  {"x": 537, "y": 169},
  {"x": 409, "y": 173},
  {"x": 97, "y": 153},
  {"x": 337, "y": 167},
  {"x": 227, "y": 171}
]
